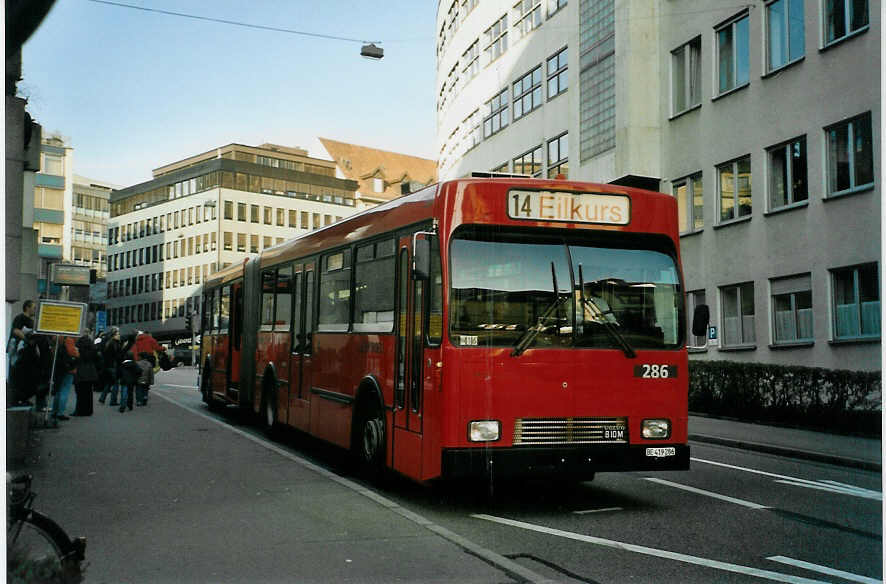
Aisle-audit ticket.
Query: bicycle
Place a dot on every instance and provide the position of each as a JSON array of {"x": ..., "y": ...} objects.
[{"x": 37, "y": 548}]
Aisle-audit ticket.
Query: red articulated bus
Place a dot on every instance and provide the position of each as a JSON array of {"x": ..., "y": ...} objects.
[{"x": 501, "y": 327}]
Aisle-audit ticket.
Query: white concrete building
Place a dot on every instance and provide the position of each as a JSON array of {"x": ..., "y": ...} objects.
[
  {"x": 763, "y": 120},
  {"x": 204, "y": 213}
]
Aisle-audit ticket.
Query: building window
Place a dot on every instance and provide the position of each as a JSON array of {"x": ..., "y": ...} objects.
[
  {"x": 529, "y": 163},
  {"x": 733, "y": 54},
  {"x": 850, "y": 155},
  {"x": 558, "y": 156},
  {"x": 792, "y": 309},
  {"x": 527, "y": 16},
  {"x": 844, "y": 17},
  {"x": 241, "y": 211},
  {"x": 738, "y": 315},
  {"x": 686, "y": 76},
  {"x": 496, "y": 114},
  {"x": 527, "y": 93},
  {"x": 689, "y": 193},
  {"x": 856, "y": 302},
  {"x": 558, "y": 73},
  {"x": 788, "y": 182},
  {"x": 53, "y": 164},
  {"x": 786, "y": 40},
  {"x": 269, "y": 215},
  {"x": 471, "y": 62},
  {"x": 241, "y": 242},
  {"x": 694, "y": 298},
  {"x": 254, "y": 214},
  {"x": 495, "y": 40},
  {"x": 228, "y": 241},
  {"x": 281, "y": 217},
  {"x": 304, "y": 220},
  {"x": 378, "y": 185},
  {"x": 253, "y": 244},
  {"x": 735, "y": 189},
  {"x": 555, "y": 5}
]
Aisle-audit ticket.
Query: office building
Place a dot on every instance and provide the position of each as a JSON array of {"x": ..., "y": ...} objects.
[
  {"x": 762, "y": 120},
  {"x": 207, "y": 212}
]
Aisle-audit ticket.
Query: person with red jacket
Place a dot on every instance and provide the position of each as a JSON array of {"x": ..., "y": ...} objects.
[
  {"x": 67, "y": 355},
  {"x": 143, "y": 349}
]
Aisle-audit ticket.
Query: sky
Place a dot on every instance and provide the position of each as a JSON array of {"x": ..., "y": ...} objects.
[{"x": 132, "y": 90}]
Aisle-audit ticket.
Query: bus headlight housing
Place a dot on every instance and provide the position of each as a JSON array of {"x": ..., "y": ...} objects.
[
  {"x": 656, "y": 429},
  {"x": 484, "y": 430}
]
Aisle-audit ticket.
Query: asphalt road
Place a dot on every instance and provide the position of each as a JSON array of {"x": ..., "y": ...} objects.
[{"x": 737, "y": 516}]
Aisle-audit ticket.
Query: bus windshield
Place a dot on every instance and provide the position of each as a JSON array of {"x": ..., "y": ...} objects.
[{"x": 516, "y": 290}]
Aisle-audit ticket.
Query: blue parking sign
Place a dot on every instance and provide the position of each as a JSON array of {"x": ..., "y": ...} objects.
[
  {"x": 712, "y": 333},
  {"x": 101, "y": 320}
]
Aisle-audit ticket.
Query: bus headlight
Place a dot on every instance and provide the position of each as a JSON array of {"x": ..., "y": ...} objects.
[
  {"x": 484, "y": 431},
  {"x": 656, "y": 429}
]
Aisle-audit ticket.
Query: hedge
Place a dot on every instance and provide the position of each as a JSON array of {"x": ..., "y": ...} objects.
[{"x": 847, "y": 402}]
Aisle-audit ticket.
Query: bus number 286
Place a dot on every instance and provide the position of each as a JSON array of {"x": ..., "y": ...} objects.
[{"x": 655, "y": 371}]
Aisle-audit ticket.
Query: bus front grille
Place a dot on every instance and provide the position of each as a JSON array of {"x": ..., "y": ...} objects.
[{"x": 549, "y": 431}]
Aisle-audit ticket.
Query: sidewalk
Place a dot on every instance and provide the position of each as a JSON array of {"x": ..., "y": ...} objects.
[{"x": 851, "y": 451}]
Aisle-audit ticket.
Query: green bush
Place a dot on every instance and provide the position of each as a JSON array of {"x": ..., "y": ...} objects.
[{"x": 807, "y": 397}]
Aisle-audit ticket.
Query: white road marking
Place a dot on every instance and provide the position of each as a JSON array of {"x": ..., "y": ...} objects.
[
  {"x": 172, "y": 385},
  {"x": 717, "y": 565},
  {"x": 708, "y": 494},
  {"x": 825, "y": 570},
  {"x": 798, "y": 482},
  {"x": 586, "y": 511},
  {"x": 498, "y": 560}
]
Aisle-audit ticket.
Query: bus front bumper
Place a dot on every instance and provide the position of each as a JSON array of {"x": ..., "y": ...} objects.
[{"x": 573, "y": 462}]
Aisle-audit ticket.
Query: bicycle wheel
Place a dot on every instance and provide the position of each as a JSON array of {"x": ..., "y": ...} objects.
[{"x": 38, "y": 550}]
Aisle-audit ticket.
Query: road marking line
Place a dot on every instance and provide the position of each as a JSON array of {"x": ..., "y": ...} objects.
[
  {"x": 586, "y": 511},
  {"x": 825, "y": 570},
  {"x": 775, "y": 576},
  {"x": 506, "y": 565},
  {"x": 172, "y": 385},
  {"x": 834, "y": 489},
  {"x": 708, "y": 494},
  {"x": 798, "y": 482}
]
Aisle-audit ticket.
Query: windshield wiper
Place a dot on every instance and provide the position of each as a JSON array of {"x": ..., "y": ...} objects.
[
  {"x": 601, "y": 318},
  {"x": 528, "y": 337}
]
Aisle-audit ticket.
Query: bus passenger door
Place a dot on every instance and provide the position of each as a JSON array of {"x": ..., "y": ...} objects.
[
  {"x": 300, "y": 358},
  {"x": 409, "y": 355},
  {"x": 235, "y": 337}
]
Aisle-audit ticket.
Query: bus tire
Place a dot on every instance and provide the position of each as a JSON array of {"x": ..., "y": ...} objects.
[
  {"x": 369, "y": 440},
  {"x": 269, "y": 407}
]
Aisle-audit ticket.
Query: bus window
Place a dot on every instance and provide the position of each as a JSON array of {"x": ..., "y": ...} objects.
[
  {"x": 224, "y": 310},
  {"x": 400, "y": 384},
  {"x": 216, "y": 309},
  {"x": 267, "y": 299},
  {"x": 374, "y": 288},
  {"x": 335, "y": 292},
  {"x": 283, "y": 302},
  {"x": 297, "y": 313},
  {"x": 206, "y": 324},
  {"x": 435, "y": 293},
  {"x": 309, "y": 310}
]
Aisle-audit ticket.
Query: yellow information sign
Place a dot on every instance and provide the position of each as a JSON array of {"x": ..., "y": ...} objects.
[{"x": 62, "y": 318}]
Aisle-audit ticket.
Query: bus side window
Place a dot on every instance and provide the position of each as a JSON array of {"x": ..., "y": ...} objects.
[
  {"x": 435, "y": 291},
  {"x": 283, "y": 300},
  {"x": 309, "y": 311},
  {"x": 298, "y": 334}
]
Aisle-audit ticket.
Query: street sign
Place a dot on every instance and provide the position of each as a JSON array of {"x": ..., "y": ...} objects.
[
  {"x": 70, "y": 275},
  {"x": 712, "y": 333},
  {"x": 101, "y": 321},
  {"x": 61, "y": 318}
]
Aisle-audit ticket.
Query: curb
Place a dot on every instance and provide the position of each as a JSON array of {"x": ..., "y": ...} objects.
[{"x": 790, "y": 452}]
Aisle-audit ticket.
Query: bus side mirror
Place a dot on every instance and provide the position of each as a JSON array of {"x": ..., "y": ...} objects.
[
  {"x": 700, "y": 320},
  {"x": 421, "y": 259}
]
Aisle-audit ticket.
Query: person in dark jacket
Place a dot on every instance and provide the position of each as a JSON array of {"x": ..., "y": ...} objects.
[
  {"x": 87, "y": 375},
  {"x": 111, "y": 358}
]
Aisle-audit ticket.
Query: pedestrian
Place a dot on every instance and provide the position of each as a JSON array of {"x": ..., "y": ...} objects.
[
  {"x": 65, "y": 369},
  {"x": 20, "y": 324},
  {"x": 111, "y": 349},
  {"x": 87, "y": 375},
  {"x": 145, "y": 348},
  {"x": 129, "y": 372},
  {"x": 143, "y": 384}
]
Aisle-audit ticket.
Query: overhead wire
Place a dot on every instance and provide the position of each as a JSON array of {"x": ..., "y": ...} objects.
[{"x": 235, "y": 23}]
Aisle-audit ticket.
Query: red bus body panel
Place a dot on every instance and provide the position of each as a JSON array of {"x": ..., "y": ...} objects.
[{"x": 463, "y": 384}]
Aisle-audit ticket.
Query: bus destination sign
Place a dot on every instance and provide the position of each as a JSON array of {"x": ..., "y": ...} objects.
[{"x": 569, "y": 206}]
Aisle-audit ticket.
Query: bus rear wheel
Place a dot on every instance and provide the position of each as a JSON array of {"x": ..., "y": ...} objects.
[
  {"x": 369, "y": 447},
  {"x": 269, "y": 412}
]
